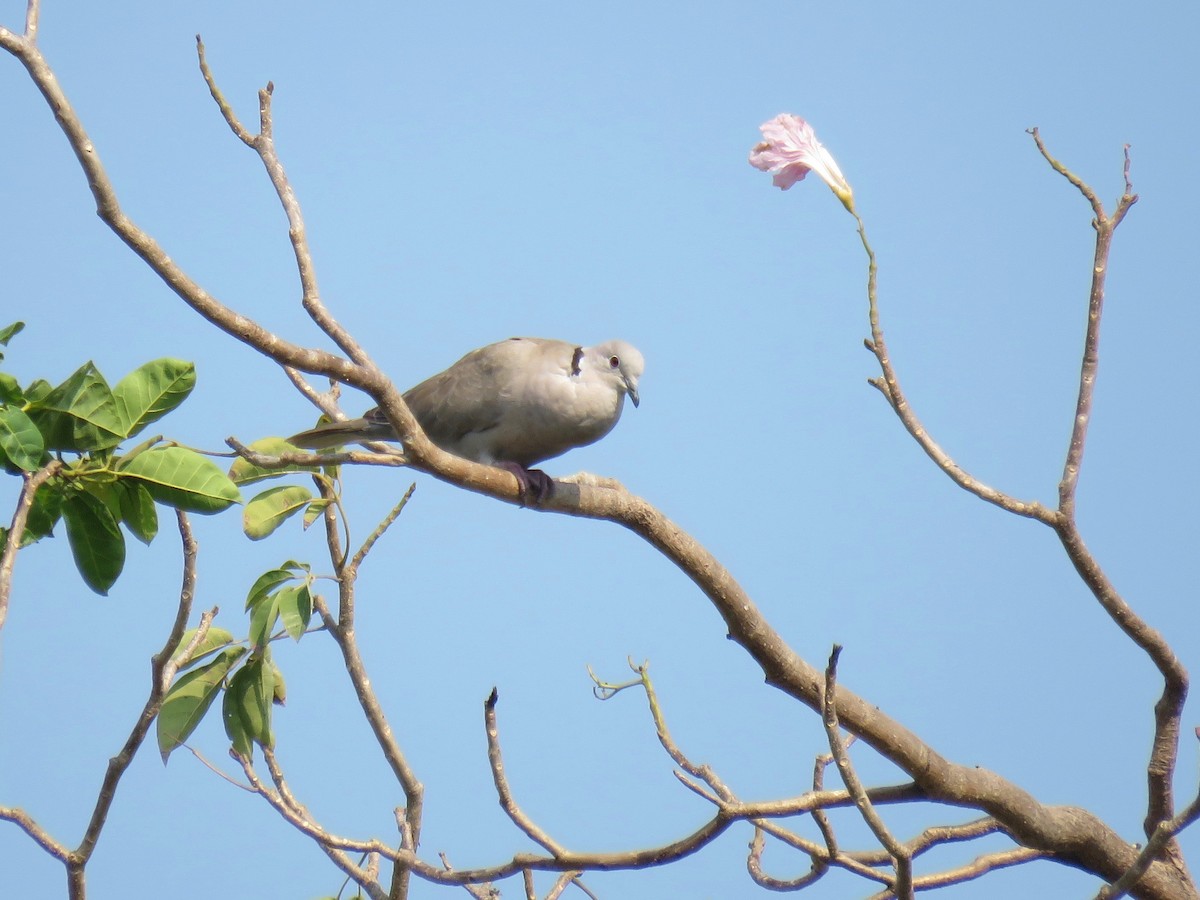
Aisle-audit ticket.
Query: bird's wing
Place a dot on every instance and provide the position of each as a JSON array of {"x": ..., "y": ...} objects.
[{"x": 486, "y": 391}]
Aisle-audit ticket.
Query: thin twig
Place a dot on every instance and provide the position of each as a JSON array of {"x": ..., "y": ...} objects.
[
  {"x": 357, "y": 559},
  {"x": 118, "y": 764},
  {"x": 818, "y": 783},
  {"x": 264, "y": 145},
  {"x": 901, "y": 857},
  {"x": 391, "y": 459},
  {"x": 217, "y": 771},
  {"x": 889, "y": 386},
  {"x": 496, "y": 762},
  {"x": 332, "y": 846},
  {"x": 1169, "y": 708},
  {"x": 478, "y": 891},
  {"x": 975, "y": 869},
  {"x": 342, "y": 631},
  {"x": 762, "y": 879},
  {"x": 31, "y": 481},
  {"x": 1163, "y": 836},
  {"x": 184, "y": 653},
  {"x": 41, "y": 836}
]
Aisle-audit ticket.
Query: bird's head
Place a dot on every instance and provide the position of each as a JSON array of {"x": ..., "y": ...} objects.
[{"x": 622, "y": 363}]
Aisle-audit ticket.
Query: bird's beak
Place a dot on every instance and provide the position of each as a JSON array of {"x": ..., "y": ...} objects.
[{"x": 633, "y": 393}]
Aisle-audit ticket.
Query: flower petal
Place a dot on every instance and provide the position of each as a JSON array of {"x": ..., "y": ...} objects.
[{"x": 790, "y": 150}]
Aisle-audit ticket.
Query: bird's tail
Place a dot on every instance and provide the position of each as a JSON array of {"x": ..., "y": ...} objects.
[{"x": 334, "y": 434}]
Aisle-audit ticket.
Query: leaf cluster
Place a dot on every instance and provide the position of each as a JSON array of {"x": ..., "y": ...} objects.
[
  {"x": 269, "y": 509},
  {"x": 281, "y": 596},
  {"x": 96, "y": 488}
]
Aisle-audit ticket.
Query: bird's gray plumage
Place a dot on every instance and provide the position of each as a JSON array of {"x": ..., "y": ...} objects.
[{"x": 517, "y": 402}]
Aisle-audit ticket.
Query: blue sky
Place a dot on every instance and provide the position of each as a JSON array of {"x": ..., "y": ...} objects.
[{"x": 474, "y": 171}]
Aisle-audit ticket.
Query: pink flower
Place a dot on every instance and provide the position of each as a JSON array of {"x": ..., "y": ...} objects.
[{"x": 791, "y": 150}]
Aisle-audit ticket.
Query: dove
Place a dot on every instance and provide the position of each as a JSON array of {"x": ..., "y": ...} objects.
[{"x": 511, "y": 404}]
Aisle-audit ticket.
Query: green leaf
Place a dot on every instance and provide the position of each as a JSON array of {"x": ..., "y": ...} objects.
[
  {"x": 279, "y": 694},
  {"x": 314, "y": 511},
  {"x": 214, "y": 640},
  {"x": 79, "y": 414},
  {"x": 96, "y": 541},
  {"x": 262, "y": 620},
  {"x": 37, "y": 390},
  {"x": 8, "y": 332},
  {"x": 245, "y": 472},
  {"x": 103, "y": 487},
  {"x": 267, "y": 582},
  {"x": 189, "y": 699},
  {"x": 151, "y": 391},
  {"x": 44, "y": 513},
  {"x": 235, "y": 723},
  {"x": 181, "y": 478},
  {"x": 10, "y": 390},
  {"x": 137, "y": 510},
  {"x": 272, "y": 508},
  {"x": 20, "y": 440},
  {"x": 247, "y": 707},
  {"x": 295, "y": 609}
]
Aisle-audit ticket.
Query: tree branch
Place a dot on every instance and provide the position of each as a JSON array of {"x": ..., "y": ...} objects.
[
  {"x": 31, "y": 481},
  {"x": 900, "y": 855},
  {"x": 159, "y": 685},
  {"x": 1169, "y": 708},
  {"x": 496, "y": 762}
]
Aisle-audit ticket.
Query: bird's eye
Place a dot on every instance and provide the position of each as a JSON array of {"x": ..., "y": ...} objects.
[{"x": 614, "y": 362}]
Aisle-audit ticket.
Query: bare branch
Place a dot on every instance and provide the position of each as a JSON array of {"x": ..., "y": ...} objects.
[
  {"x": 563, "y": 882},
  {"x": 763, "y": 880},
  {"x": 41, "y": 837},
  {"x": 383, "y": 526},
  {"x": 264, "y": 144},
  {"x": 901, "y": 857},
  {"x": 343, "y": 633},
  {"x": 183, "y": 654},
  {"x": 889, "y": 386},
  {"x": 32, "y": 11},
  {"x": 300, "y": 458},
  {"x": 972, "y": 870},
  {"x": 1159, "y": 842},
  {"x": 1062, "y": 170},
  {"x": 158, "y": 689},
  {"x": 31, "y": 481},
  {"x": 217, "y": 771},
  {"x": 478, "y": 891},
  {"x": 231, "y": 119},
  {"x": 1091, "y": 343},
  {"x": 503, "y": 791},
  {"x": 331, "y": 845},
  {"x": 1169, "y": 708},
  {"x": 818, "y": 815}
]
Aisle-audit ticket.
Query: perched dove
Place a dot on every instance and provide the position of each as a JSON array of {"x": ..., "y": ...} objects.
[{"x": 511, "y": 404}]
